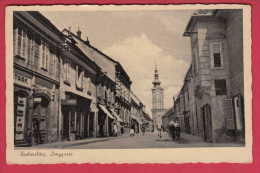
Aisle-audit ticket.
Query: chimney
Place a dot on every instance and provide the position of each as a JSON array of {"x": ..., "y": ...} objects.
[
  {"x": 79, "y": 33},
  {"x": 87, "y": 41}
]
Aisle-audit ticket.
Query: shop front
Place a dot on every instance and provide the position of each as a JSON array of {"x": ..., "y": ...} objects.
[
  {"x": 77, "y": 118},
  {"x": 34, "y": 110},
  {"x": 105, "y": 121},
  {"x": 119, "y": 123},
  {"x": 135, "y": 124}
]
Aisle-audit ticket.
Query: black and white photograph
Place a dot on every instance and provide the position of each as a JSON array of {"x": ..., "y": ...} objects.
[{"x": 121, "y": 79}]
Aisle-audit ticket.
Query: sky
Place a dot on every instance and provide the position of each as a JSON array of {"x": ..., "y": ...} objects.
[{"x": 138, "y": 40}]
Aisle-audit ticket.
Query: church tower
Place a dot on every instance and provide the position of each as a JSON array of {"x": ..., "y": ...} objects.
[{"x": 157, "y": 100}]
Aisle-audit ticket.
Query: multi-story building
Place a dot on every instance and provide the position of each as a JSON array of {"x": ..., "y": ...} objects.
[
  {"x": 216, "y": 74},
  {"x": 117, "y": 87},
  {"x": 36, "y": 53},
  {"x": 64, "y": 88},
  {"x": 78, "y": 82},
  {"x": 137, "y": 108}
]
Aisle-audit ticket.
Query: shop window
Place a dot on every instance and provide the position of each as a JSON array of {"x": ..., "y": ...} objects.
[{"x": 220, "y": 87}]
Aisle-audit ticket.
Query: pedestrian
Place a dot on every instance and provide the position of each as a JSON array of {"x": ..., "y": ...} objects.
[
  {"x": 177, "y": 128},
  {"x": 159, "y": 131},
  {"x": 132, "y": 131},
  {"x": 115, "y": 129},
  {"x": 171, "y": 127}
]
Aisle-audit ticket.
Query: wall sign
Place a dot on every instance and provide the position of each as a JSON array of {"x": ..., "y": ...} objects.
[{"x": 20, "y": 117}]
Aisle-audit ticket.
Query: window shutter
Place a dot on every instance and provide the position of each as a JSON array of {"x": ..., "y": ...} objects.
[
  {"x": 29, "y": 49},
  {"x": 36, "y": 53},
  {"x": 19, "y": 41},
  {"x": 51, "y": 63},
  {"x": 47, "y": 60},
  {"x": 23, "y": 44},
  {"x": 15, "y": 41},
  {"x": 42, "y": 54}
]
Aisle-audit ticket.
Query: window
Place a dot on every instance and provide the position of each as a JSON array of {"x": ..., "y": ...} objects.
[
  {"x": 66, "y": 71},
  {"x": 217, "y": 60},
  {"x": 216, "y": 55},
  {"x": 20, "y": 43},
  {"x": 220, "y": 87},
  {"x": 30, "y": 50},
  {"x": 45, "y": 53}
]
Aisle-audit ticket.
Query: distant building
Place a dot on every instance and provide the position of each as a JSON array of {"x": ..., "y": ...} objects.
[
  {"x": 157, "y": 101},
  {"x": 136, "y": 113}
]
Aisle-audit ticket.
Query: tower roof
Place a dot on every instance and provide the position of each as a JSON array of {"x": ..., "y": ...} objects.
[{"x": 156, "y": 80}]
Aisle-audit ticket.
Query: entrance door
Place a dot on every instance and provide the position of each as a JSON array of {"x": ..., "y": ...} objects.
[
  {"x": 207, "y": 122},
  {"x": 187, "y": 123},
  {"x": 66, "y": 125},
  {"x": 40, "y": 134},
  {"x": 91, "y": 124}
]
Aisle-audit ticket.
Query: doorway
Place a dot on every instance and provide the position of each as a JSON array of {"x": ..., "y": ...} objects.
[{"x": 207, "y": 122}]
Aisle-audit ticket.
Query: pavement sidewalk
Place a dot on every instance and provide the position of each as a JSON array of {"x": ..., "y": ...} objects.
[{"x": 65, "y": 144}]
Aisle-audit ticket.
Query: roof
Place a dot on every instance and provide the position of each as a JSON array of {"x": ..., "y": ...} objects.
[
  {"x": 86, "y": 58},
  {"x": 87, "y": 43},
  {"x": 37, "y": 22},
  {"x": 197, "y": 15}
]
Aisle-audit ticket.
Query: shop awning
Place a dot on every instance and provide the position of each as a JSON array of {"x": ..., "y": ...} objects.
[
  {"x": 117, "y": 116},
  {"x": 104, "y": 109},
  {"x": 76, "y": 92},
  {"x": 137, "y": 119}
]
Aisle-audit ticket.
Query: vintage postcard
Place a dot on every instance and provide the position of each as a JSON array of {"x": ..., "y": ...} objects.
[{"x": 128, "y": 84}]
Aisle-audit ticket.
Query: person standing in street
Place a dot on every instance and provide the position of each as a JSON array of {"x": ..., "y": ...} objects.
[
  {"x": 132, "y": 131},
  {"x": 171, "y": 131},
  {"x": 115, "y": 129},
  {"x": 159, "y": 131},
  {"x": 177, "y": 128},
  {"x": 143, "y": 130}
]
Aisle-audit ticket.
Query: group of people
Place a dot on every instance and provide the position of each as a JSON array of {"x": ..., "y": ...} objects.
[
  {"x": 133, "y": 131},
  {"x": 174, "y": 129}
]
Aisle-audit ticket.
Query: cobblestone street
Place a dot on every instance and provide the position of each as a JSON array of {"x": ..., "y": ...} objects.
[{"x": 150, "y": 140}]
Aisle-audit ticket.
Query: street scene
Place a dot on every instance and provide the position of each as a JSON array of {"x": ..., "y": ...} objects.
[{"x": 128, "y": 79}]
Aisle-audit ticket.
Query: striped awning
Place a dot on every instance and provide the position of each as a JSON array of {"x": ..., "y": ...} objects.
[
  {"x": 137, "y": 119},
  {"x": 117, "y": 116},
  {"x": 104, "y": 109}
]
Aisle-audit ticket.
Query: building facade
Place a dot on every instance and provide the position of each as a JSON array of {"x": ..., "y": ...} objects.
[
  {"x": 78, "y": 114},
  {"x": 117, "y": 90},
  {"x": 157, "y": 101},
  {"x": 64, "y": 88},
  {"x": 137, "y": 111},
  {"x": 215, "y": 78},
  {"x": 36, "y": 79}
]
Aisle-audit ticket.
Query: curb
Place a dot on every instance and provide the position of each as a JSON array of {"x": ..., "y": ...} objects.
[{"x": 76, "y": 143}]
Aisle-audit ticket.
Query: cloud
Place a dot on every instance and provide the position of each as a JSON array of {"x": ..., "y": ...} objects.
[{"x": 138, "y": 55}]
